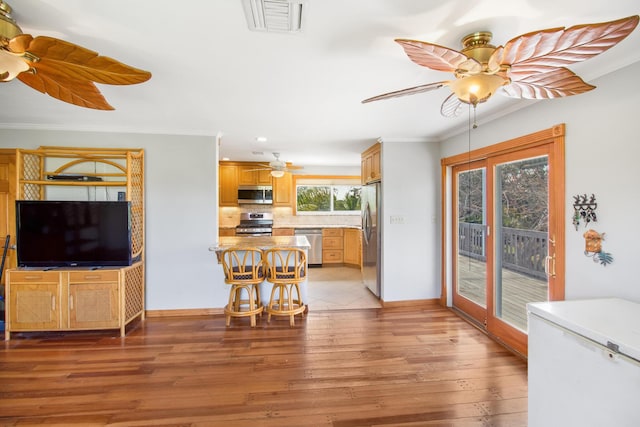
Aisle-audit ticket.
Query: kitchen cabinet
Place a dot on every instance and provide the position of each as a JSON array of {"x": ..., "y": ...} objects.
[
  {"x": 233, "y": 174},
  {"x": 226, "y": 232},
  {"x": 228, "y": 185},
  {"x": 249, "y": 174},
  {"x": 73, "y": 299},
  {"x": 282, "y": 232},
  {"x": 370, "y": 164},
  {"x": 332, "y": 246},
  {"x": 283, "y": 190},
  {"x": 352, "y": 246}
]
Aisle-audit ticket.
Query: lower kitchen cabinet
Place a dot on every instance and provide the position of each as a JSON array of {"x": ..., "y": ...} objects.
[
  {"x": 226, "y": 232},
  {"x": 352, "y": 246},
  {"x": 332, "y": 246},
  {"x": 283, "y": 232},
  {"x": 73, "y": 299}
]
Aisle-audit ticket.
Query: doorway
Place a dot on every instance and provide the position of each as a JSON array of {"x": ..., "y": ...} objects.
[{"x": 506, "y": 230}]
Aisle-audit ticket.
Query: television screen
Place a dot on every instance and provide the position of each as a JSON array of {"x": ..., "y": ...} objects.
[{"x": 73, "y": 233}]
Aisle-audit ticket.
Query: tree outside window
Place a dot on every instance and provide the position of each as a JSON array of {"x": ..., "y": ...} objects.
[{"x": 328, "y": 198}]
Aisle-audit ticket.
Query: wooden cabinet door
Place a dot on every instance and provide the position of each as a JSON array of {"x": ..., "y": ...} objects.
[
  {"x": 282, "y": 190},
  {"x": 375, "y": 165},
  {"x": 263, "y": 177},
  {"x": 352, "y": 246},
  {"x": 283, "y": 232},
  {"x": 34, "y": 306},
  {"x": 93, "y": 306},
  {"x": 228, "y": 188},
  {"x": 247, "y": 175},
  {"x": 370, "y": 164},
  {"x": 94, "y": 300}
]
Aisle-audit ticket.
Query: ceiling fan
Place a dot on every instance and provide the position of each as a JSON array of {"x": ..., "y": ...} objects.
[
  {"x": 278, "y": 167},
  {"x": 530, "y": 66},
  {"x": 59, "y": 68}
]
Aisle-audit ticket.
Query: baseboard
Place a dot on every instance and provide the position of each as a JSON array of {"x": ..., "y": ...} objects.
[
  {"x": 412, "y": 303},
  {"x": 184, "y": 312}
]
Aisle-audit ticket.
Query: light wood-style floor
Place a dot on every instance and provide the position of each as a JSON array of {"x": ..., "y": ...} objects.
[
  {"x": 338, "y": 288},
  {"x": 362, "y": 367}
]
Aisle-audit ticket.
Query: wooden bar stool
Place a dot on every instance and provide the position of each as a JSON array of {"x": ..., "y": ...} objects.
[
  {"x": 244, "y": 271},
  {"x": 286, "y": 268}
]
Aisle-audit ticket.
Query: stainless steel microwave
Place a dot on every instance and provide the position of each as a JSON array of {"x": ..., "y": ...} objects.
[{"x": 255, "y": 194}]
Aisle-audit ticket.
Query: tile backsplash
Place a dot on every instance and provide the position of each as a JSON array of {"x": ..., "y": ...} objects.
[{"x": 284, "y": 217}]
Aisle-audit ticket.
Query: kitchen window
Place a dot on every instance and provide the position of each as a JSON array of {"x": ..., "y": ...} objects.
[{"x": 334, "y": 196}]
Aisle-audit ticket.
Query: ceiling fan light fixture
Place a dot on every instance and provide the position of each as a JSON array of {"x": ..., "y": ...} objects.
[
  {"x": 277, "y": 173},
  {"x": 11, "y": 65},
  {"x": 8, "y": 27},
  {"x": 476, "y": 89}
]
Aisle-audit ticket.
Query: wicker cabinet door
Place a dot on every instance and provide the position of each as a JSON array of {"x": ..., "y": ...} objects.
[{"x": 34, "y": 306}]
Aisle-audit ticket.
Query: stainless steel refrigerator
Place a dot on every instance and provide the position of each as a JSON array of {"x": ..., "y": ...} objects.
[{"x": 371, "y": 197}]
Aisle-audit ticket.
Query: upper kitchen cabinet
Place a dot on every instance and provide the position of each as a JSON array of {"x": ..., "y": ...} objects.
[
  {"x": 252, "y": 175},
  {"x": 371, "y": 164},
  {"x": 234, "y": 174},
  {"x": 282, "y": 190},
  {"x": 228, "y": 185}
]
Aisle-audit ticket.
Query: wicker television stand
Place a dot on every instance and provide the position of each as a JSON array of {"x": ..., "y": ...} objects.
[{"x": 79, "y": 298}]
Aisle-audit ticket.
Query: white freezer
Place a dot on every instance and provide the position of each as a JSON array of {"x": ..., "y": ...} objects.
[{"x": 584, "y": 363}]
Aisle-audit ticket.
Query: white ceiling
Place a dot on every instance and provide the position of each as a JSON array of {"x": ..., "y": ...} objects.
[{"x": 302, "y": 91}]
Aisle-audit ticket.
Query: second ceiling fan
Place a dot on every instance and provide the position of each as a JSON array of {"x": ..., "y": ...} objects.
[{"x": 529, "y": 66}]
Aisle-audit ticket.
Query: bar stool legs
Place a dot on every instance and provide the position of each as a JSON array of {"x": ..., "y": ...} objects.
[
  {"x": 285, "y": 269},
  {"x": 244, "y": 271},
  {"x": 235, "y": 306},
  {"x": 284, "y": 303}
]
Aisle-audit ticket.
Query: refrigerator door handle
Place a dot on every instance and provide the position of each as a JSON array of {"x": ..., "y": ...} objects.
[{"x": 366, "y": 223}]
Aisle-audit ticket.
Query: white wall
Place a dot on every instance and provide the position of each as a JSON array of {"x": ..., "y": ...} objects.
[
  {"x": 602, "y": 155},
  {"x": 181, "y": 211},
  {"x": 410, "y": 193}
]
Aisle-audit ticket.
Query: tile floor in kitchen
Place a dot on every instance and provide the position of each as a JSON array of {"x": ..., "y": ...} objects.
[{"x": 338, "y": 288}]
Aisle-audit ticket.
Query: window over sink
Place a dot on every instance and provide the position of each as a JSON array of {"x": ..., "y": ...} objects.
[{"x": 327, "y": 195}]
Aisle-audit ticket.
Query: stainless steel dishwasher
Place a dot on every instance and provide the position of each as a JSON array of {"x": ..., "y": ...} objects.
[{"x": 314, "y": 236}]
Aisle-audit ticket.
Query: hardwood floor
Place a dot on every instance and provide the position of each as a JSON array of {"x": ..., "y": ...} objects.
[{"x": 365, "y": 367}]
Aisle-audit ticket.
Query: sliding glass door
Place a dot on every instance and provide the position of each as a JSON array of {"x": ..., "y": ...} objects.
[{"x": 505, "y": 230}]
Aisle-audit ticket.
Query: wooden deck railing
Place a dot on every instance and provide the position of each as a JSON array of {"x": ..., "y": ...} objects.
[{"x": 523, "y": 251}]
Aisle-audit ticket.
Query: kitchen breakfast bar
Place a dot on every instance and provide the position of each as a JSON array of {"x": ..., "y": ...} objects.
[{"x": 264, "y": 243}]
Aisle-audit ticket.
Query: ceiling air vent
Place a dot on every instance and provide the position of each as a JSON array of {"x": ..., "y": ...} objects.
[{"x": 284, "y": 16}]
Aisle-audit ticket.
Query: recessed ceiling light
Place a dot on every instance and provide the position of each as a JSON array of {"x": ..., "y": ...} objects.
[{"x": 261, "y": 138}]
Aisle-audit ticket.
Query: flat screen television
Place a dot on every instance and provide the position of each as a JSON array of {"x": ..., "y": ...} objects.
[{"x": 73, "y": 233}]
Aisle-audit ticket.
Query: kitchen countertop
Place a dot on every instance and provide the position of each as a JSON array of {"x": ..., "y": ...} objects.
[{"x": 262, "y": 242}]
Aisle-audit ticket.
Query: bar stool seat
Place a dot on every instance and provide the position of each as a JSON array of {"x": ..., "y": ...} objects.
[
  {"x": 285, "y": 268},
  {"x": 244, "y": 271}
]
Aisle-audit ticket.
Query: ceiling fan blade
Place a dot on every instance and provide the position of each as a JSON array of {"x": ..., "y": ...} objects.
[
  {"x": 409, "y": 91},
  {"x": 437, "y": 57},
  {"x": 451, "y": 107},
  {"x": 81, "y": 93},
  {"x": 77, "y": 62},
  {"x": 557, "y": 47},
  {"x": 292, "y": 167},
  {"x": 554, "y": 83}
]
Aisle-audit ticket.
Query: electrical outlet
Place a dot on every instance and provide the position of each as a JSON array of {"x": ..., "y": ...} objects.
[{"x": 396, "y": 219}]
